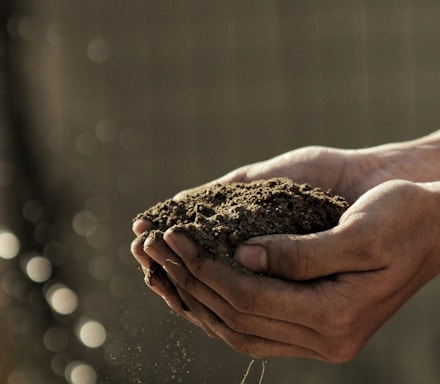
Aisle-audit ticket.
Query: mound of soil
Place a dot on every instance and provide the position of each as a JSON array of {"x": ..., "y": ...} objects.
[{"x": 220, "y": 217}]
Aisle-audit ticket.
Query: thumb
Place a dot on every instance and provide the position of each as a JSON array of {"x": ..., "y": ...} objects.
[{"x": 305, "y": 257}]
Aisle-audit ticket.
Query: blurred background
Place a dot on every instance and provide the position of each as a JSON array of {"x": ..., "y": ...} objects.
[{"x": 108, "y": 107}]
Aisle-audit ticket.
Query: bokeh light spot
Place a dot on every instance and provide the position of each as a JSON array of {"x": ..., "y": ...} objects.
[
  {"x": 33, "y": 211},
  {"x": 38, "y": 269},
  {"x": 28, "y": 28},
  {"x": 19, "y": 377},
  {"x": 56, "y": 339},
  {"x": 106, "y": 130},
  {"x": 9, "y": 245},
  {"x": 86, "y": 144},
  {"x": 78, "y": 372},
  {"x": 85, "y": 223},
  {"x": 98, "y": 50},
  {"x": 59, "y": 362},
  {"x": 62, "y": 299},
  {"x": 92, "y": 333}
]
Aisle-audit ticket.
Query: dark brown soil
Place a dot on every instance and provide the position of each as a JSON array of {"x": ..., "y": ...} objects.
[{"x": 221, "y": 217}]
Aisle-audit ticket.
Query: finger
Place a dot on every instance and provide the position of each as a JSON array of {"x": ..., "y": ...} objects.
[
  {"x": 160, "y": 285},
  {"x": 326, "y": 306},
  {"x": 149, "y": 266},
  {"x": 158, "y": 281},
  {"x": 168, "y": 292},
  {"x": 155, "y": 277},
  {"x": 263, "y": 327},
  {"x": 137, "y": 250},
  {"x": 247, "y": 293},
  {"x": 161, "y": 255},
  {"x": 198, "y": 322},
  {"x": 140, "y": 226},
  {"x": 255, "y": 346},
  {"x": 306, "y": 257}
]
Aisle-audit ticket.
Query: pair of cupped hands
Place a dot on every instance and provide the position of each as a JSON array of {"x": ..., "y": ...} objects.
[{"x": 384, "y": 249}]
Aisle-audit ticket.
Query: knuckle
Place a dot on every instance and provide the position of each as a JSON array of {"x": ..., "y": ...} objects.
[
  {"x": 342, "y": 355},
  {"x": 244, "y": 302},
  {"x": 286, "y": 258},
  {"x": 240, "y": 324},
  {"x": 343, "y": 351},
  {"x": 238, "y": 343},
  {"x": 299, "y": 263},
  {"x": 293, "y": 261},
  {"x": 137, "y": 247},
  {"x": 345, "y": 340}
]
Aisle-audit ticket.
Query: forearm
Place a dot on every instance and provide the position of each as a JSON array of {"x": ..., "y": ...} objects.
[
  {"x": 433, "y": 201},
  {"x": 416, "y": 160}
]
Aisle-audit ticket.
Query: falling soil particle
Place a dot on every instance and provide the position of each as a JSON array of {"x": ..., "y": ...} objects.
[{"x": 220, "y": 217}]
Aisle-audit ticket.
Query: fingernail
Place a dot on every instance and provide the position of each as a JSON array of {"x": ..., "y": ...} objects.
[
  {"x": 140, "y": 224},
  {"x": 149, "y": 272},
  {"x": 253, "y": 257},
  {"x": 147, "y": 280}
]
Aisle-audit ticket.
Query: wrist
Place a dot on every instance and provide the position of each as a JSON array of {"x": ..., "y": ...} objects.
[
  {"x": 416, "y": 160},
  {"x": 433, "y": 202}
]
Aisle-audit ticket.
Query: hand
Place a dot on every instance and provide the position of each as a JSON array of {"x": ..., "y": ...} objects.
[
  {"x": 348, "y": 173},
  {"x": 319, "y": 166},
  {"x": 355, "y": 277},
  {"x": 341, "y": 171}
]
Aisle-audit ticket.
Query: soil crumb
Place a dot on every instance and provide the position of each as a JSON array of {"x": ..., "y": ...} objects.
[{"x": 220, "y": 217}]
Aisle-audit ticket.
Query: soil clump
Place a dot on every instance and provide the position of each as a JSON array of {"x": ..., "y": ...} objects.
[{"x": 220, "y": 217}]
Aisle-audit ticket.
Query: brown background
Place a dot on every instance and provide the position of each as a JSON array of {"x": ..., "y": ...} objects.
[{"x": 121, "y": 104}]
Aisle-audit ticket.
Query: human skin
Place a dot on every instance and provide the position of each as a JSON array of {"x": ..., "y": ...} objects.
[{"x": 321, "y": 295}]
